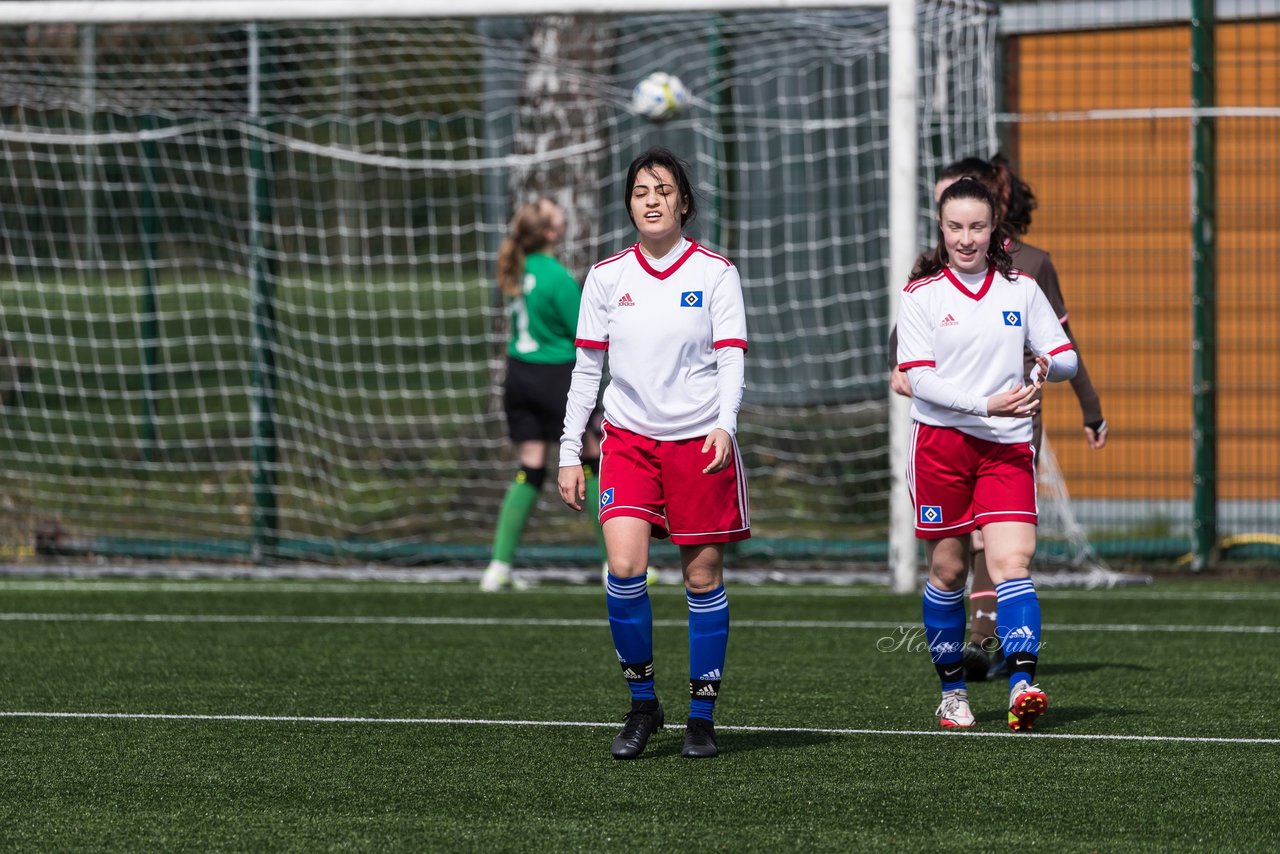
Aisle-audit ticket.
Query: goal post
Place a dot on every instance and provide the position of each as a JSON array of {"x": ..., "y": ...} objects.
[
  {"x": 904, "y": 213},
  {"x": 249, "y": 253}
]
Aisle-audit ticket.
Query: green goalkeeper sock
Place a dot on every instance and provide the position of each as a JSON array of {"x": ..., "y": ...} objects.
[{"x": 516, "y": 507}]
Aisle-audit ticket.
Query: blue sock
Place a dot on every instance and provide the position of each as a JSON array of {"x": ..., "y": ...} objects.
[
  {"x": 944, "y": 630},
  {"x": 1018, "y": 627},
  {"x": 631, "y": 622},
  {"x": 708, "y": 639}
]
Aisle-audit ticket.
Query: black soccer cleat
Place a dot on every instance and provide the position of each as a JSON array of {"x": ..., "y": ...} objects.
[
  {"x": 699, "y": 740},
  {"x": 637, "y": 725},
  {"x": 976, "y": 662}
]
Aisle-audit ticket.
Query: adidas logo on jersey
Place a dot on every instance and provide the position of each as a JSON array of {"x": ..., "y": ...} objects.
[
  {"x": 949, "y": 320},
  {"x": 626, "y": 300}
]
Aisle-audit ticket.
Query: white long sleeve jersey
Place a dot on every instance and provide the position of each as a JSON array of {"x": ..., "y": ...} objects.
[
  {"x": 675, "y": 330},
  {"x": 960, "y": 347}
]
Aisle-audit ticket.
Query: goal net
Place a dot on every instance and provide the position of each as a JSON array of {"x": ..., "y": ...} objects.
[{"x": 247, "y": 301}]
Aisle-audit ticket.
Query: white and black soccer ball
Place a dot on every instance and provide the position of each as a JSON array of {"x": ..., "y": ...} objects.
[{"x": 659, "y": 96}]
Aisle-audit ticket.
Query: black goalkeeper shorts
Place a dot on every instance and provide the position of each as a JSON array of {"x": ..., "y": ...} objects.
[{"x": 534, "y": 398}]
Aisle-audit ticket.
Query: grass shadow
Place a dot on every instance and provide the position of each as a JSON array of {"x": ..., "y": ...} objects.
[
  {"x": 1055, "y": 717},
  {"x": 746, "y": 741},
  {"x": 1073, "y": 667}
]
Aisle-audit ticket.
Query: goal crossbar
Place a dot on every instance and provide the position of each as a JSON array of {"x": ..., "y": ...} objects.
[{"x": 211, "y": 11}]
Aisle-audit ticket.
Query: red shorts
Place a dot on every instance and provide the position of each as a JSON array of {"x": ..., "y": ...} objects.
[
  {"x": 662, "y": 482},
  {"x": 959, "y": 482}
]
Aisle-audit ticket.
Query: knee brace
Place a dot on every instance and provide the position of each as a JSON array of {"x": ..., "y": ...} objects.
[{"x": 533, "y": 477}]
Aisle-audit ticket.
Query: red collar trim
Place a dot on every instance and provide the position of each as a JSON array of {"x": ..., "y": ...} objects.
[
  {"x": 982, "y": 292},
  {"x": 648, "y": 268}
]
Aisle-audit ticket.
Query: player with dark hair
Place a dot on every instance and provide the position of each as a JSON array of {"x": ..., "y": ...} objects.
[
  {"x": 669, "y": 314},
  {"x": 542, "y": 300},
  {"x": 1015, "y": 202},
  {"x": 964, "y": 320}
]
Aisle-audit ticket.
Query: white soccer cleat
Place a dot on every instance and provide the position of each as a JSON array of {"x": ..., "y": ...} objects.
[
  {"x": 496, "y": 577},
  {"x": 1026, "y": 703},
  {"x": 954, "y": 712}
]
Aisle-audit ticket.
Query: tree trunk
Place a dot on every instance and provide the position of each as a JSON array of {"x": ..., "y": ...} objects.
[{"x": 561, "y": 127}]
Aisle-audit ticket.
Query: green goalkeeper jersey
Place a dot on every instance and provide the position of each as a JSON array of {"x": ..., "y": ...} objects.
[{"x": 544, "y": 318}]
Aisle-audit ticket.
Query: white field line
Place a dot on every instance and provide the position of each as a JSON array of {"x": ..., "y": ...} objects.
[
  {"x": 300, "y": 619},
  {"x": 436, "y": 587},
  {"x": 316, "y": 719}
]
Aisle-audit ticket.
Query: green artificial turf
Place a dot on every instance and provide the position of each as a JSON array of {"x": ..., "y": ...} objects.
[{"x": 441, "y": 666}]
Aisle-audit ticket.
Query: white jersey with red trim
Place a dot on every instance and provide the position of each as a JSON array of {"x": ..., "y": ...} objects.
[
  {"x": 662, "y": 323},
  {"x": 974, "y": 341}
]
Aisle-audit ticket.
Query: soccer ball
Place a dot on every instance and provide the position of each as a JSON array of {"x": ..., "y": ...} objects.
[{"x": 659, "y": 96}]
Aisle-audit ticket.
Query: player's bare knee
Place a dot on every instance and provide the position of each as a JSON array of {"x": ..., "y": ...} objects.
[
  {"x": 947, "y": 577},
  {"x": 703, "y": 567},
  {"x": 1008, "y": 567},
  {"x": 947, "y": 570},
  {"x": 702, "y": 583},
  {"x": 704, "y": 573},
  {"x": 627, "y": 566},
  {"x": 948, "y": 562}
]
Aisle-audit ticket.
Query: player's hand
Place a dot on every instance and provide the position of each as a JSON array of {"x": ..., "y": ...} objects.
[
  {"x": 1040, "y": 373},
  {"x": 1096, "y": 434},
  {"x": 1018, "y": 402},
  {"x": 719, "y": 441},
  {"x": 899, "y": 383},
  {"x": 572, "y": 485}
]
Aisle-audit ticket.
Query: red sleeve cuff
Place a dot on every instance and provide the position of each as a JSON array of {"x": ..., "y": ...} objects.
[
  {"x": 740, "y": 343},
  {"x": 1064, "y": 348},
  {"x": 591, "y": 345},
  {"x": 923, "y": 363}
]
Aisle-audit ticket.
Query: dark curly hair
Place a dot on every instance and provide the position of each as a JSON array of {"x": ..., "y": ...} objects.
[
  {"x": 665, "y": 157},
  {"x": 968, "y": 187}
]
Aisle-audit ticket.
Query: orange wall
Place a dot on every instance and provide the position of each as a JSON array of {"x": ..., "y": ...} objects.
[{"x": 1115, "y": 214}]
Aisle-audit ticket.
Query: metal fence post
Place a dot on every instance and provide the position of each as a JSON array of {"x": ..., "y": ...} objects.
[{"x": 1204, "y": 343}]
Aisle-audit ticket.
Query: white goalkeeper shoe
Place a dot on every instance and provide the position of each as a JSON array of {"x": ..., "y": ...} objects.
[
  {"x": 1026, "y": 703},
  {"x": 954, "y": 712},
  {"x": 498, "y": 576}
]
